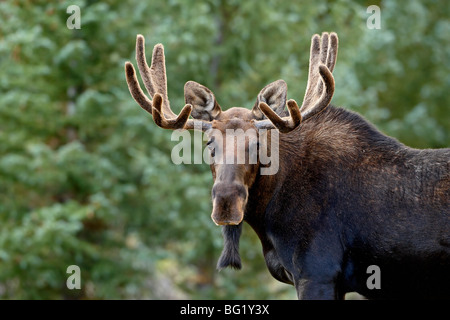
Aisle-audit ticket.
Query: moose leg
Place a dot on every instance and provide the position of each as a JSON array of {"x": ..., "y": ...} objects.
[{"x": 308, "y": 289}]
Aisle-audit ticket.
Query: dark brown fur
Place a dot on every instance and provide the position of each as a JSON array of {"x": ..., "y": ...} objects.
[{"x": 347, "y": 197}]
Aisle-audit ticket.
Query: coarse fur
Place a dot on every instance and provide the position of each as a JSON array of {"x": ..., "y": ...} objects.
[{"x": 347, "y": 197}]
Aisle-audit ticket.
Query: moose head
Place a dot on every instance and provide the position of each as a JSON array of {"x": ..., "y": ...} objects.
[{"x": 233, "y": 171}]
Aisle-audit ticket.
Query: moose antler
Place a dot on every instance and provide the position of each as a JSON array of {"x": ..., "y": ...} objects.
[
  {"x": 156, "y": 84},
  {"x": 319, "y": 90}
]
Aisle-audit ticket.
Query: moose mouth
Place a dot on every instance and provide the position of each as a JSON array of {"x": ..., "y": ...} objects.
[
  {"x": 226, "y": 222},
  {"x": 225, "y": 217}
]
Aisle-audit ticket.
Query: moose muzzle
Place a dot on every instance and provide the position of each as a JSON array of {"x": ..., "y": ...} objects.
[{"x": 229, "y": 200}]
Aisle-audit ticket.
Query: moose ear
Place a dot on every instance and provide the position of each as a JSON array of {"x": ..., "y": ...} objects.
[
  {"x": 205, "y": 106},
  {"x": 274, "y": 95}
]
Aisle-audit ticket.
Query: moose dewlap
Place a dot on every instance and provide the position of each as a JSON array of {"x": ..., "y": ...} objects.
[{"x": 344, "y": 197}]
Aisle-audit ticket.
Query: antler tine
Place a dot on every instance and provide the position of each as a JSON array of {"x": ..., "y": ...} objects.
[
  {"x": 154, "y": 77},
  {"x": 323, "y": 54},
  {"x": 144, "y": 70},
  {"x": 156, "y": 84},
  {"x": 135, "y": 89},
  {"x": 180, "y": 122},
  {"x": 161, "y": 121},
  {"x": 284, "y": 124},
  {"x": 332, "y": 52},
  {"x": 154, "y": 107}
]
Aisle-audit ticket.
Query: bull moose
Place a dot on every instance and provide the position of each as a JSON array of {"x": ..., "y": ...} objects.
[{"x": 344, "y": 197}]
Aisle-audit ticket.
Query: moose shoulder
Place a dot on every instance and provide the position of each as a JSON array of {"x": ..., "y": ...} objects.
[{"x": 344, "y": 197}]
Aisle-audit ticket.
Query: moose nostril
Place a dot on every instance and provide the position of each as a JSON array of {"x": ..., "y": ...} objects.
[{"x": 242, "y": 191}]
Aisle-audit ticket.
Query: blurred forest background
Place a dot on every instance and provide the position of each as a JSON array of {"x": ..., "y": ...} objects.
[{"x": 86, "y": 177}]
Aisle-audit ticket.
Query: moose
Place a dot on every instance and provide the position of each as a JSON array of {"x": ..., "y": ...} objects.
[{"x": 345, "y": 196}]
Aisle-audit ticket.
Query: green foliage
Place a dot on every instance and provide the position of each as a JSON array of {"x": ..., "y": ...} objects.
[{"x": 86, "y": 178}]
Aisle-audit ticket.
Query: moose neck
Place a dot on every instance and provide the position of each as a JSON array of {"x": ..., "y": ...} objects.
[{"x": 265, "y": 187}]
